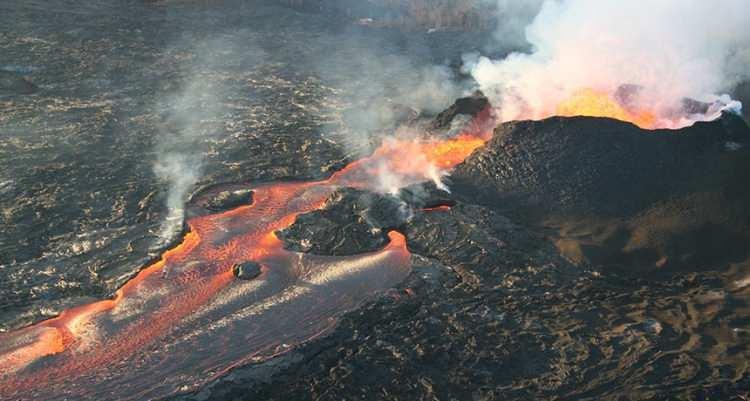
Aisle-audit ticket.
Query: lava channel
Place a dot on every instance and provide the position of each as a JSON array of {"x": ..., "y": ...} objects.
[{"x": 185, "y": 320}]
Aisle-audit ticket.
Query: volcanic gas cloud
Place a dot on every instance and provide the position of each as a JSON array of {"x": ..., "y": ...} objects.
[{"x": 633, "y": 61}]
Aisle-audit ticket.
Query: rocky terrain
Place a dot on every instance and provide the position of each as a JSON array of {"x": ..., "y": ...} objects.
[
  {"x": 499, "y": 308},
  {"x": 574, "y": 258},
  {"x": 103, "y": 102},
  {"x": 409, "y": 14},
  {"x": 618, "y": 195}
]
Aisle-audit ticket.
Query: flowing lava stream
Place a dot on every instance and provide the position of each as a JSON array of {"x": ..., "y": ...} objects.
[{"x": 185, "y": 320}]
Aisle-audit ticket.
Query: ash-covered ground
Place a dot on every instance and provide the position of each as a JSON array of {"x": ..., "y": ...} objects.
[{"x": 576, "y": 258}]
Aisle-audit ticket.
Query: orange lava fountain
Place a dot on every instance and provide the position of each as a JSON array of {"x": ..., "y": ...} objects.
[
  {"x": 185, "y": 320},
  {"x": 593, "y": 103}
]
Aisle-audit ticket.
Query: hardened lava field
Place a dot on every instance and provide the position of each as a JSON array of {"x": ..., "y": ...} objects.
[{"x": 295, "y": 200}]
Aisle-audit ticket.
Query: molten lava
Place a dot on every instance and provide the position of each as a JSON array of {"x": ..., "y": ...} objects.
[
  {"x": 593, "y": 103},
  {"x": 185, "y": 320},
  {"x": 439, "y": 208},
  {"x": 422, "y": 158}
]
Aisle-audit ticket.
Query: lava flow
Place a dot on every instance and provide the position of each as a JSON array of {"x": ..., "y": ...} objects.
[{"x": 186, "y": 319}]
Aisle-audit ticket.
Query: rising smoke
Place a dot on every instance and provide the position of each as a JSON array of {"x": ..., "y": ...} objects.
[
  {"x": 513, "y": 18},
  {"x": 668, "y": 49},
  {"x": 374, "y": 82},
  {"x": 192, "y": 116},
  {"x": 384, "y": 85}
]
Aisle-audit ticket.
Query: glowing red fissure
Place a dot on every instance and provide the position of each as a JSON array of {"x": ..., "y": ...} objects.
[{"x": 185, "y": 318}]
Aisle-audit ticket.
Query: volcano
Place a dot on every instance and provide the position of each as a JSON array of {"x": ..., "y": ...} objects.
[
  {"x": 618, "y": 194},
  {"x": 240, "y": 201},
  {"x": 554, "y": 230},
  {"x": 542, "y": 205}
]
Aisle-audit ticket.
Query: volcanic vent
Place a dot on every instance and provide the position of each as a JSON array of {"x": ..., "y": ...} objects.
[{"x": 618, "y": 194}]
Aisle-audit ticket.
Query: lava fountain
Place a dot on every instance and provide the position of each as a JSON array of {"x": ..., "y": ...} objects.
[
  {"x": 592, "y": 103},
  {"x": 185, "y": 320},
  {"x": 667, "y": 65}
]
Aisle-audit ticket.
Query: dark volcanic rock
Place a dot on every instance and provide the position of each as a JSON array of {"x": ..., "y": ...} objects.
[
  {"x": 14, "y": 84},
  {"x": 356, "y": 221},
  {"x": 247, "y": 270},
  {"x": 620, "y": 194},
  {"x": 408, "y": 14},
  {"x": 226, "y": 200},
  {"x": 82, "y": 208},
  {"x": 352, "y": 221},
  {"x": 470, "y": 106},
  {"x": 580, "y": 340},
  {"x": 492, "y": 311},
  {"x": 425, "y": 195},
  {"x": 600, "y": 166},
  {"x": 742, "y": 93},
  {"x": 467, "y": 234},
  {"x": 508, "y": 320},
  {"x": 468, "y": 317}
]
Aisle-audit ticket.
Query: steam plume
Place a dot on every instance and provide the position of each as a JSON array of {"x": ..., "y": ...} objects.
[
  {"x": 514, "y": 16},
  {"x": 668, "y": 50},
  {"x": 189, "y": 117},
  {"x": 383, "y": 82}
]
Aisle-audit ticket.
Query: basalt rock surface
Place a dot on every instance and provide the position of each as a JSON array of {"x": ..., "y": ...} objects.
[
  {"x": 356, "y": 221},
  {"x": 518, "y": 334},
  {"x": 226, "y": 200},
  {"x": 466, "y": 234},
  {"x": 408, "y": 14},
  {"x": 15, "y": 84},
  {"x": 620, "y": 195},
  {"x": 493, "y": 311},
  {"x": 467, "y": 106},
  {"x": 247, "y": 270},
  {"x": 351, "y": 222}
]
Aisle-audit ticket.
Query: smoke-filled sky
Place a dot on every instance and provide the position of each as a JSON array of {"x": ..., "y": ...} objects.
[{"x": 671, "y": 49}]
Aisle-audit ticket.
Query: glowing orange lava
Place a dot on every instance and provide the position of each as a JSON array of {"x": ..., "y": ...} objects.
[
  {"x": 593, "y": 103},
  {"x": 416, "y": 156},
  {"x": 185, "y": 320},
  {"x": 440, "y": 208}
]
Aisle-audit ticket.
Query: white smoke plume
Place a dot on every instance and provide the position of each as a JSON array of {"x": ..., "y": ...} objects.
[
  {"x": 513, "y": 18},
  {"x": 181, "y": 171},
  {"x": 384, "y": 84},
  {"x": 191, "y": 115},
  {"x": 668, "y": 49},
  {"x": 405, "y": 164}
]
